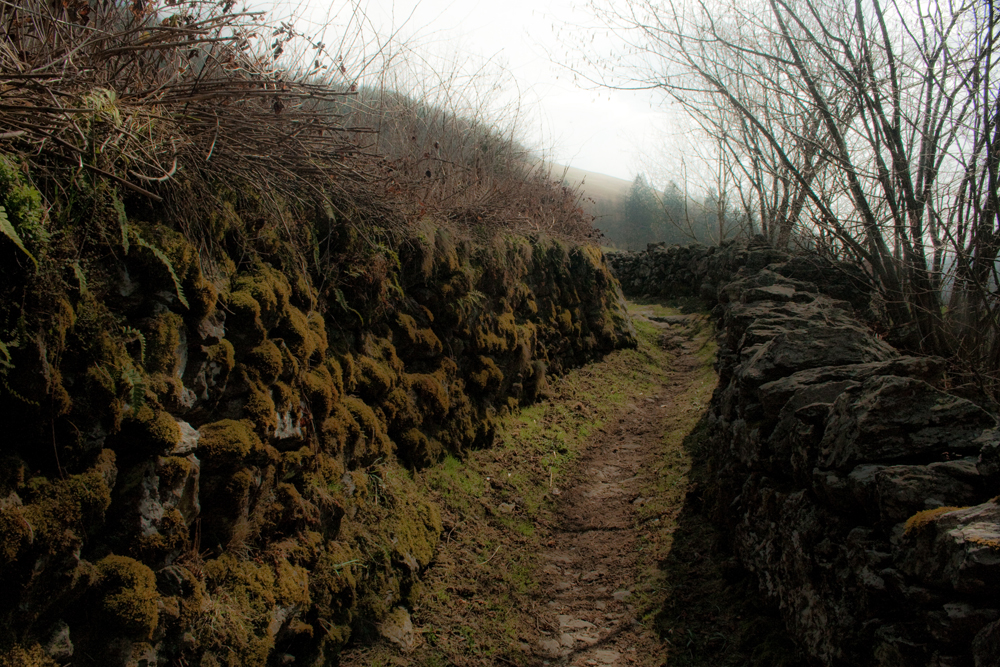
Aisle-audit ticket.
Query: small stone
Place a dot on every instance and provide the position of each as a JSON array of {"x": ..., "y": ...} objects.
[
  {"x": 600, "y": 604},
  {"x": 622, "y": 594},
  {"x": 566, "y": 621},
  {"x": 567, "y": 640},
  {"x": 550, "y": 646},
  {"x": 398, "y": 629},
  {"x": 506, "y": 508}
]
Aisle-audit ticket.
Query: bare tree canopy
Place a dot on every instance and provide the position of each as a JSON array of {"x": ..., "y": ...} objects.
[{"x": 866, "y": 128}]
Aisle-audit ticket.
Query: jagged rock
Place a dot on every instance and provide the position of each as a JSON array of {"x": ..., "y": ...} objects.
[
  {"x": 189, "y": 439},
  {"x": 774, "y": 395},
  {"x": 959, "y": 622},
  {"x": 956, "y": 548},
  {"x": 60, "y": 646},
  {"x": 902, "y": 491},
  {"x": 834, "y": 460},
  {"x": 989, "y": 459},
  {"x": 890, "y": 418},
  {"x": 986, "y": 646},
  {"x": 791, "y": 351}
]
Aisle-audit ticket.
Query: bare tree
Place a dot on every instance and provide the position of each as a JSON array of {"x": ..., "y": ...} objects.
[{"x": 869, "y": 126}]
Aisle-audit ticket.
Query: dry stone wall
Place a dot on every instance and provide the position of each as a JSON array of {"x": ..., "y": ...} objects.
[
  {"x": 213, "y": 468},
  {"x": 861, "y": 494}
]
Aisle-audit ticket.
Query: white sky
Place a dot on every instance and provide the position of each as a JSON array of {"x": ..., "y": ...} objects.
[{"x": 598, "y": 130}]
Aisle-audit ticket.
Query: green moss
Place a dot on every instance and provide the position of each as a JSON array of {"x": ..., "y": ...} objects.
[
  {"x": 223, "y": 355},
  {"x": 374, "y": 379},
  {"x": 202, "y": 296},
  {"x": 418, "y": 343},
  {"x": 488, "y": 342},
  {"x": 487, "y": 378},
  {"x": 292, "y": 584},
  {"x": 432, "y": 397},
  {"x": 348, "y": 371},
  {"x": 305, "y": 335},
  {"x": 400, "y": 410},
  {"x": 270, "y": 289},
  {"x": 371, "y": 441},
  {"x": 173, "y": 470},
  {"x": 163, "y": 431},
  {"x": 337, "y": 430},
  {"x": 921, "y": 520},
  {"x": 265, "y": 362},
  {"x": 126, "y": 596},
  {"x": 146, "y": 432},
  {"x": 317, "y": 326},
  {"x": 536, "y": 384},
  {"x": 413, "y": 445},
  {"x": 565, "y": 321},
  {"x": 168, "y": 540},
  {"x": 333, "y": 587},
  {"x": 20, "y": 656},
  {"x": 227, "y": 443},
  {"x": 235, "y": 629},
  {"x": 290, "y": 365},
  {"x": 259, "y": 408},
  {"x": 507, "y": 329},
  {"x": 244, "y": 321},
  {"x": 336, "y": 374},
  {"x": 284, "y": 397},
  {"x": 22, "y": 202},
  {"x": 162, "y": 340},
  {"x": 15, "y": 534}
]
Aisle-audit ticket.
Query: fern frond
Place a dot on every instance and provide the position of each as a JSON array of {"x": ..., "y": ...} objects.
[
  {"x": 11, "y": 233},
  {"x": 81, "y": 278},
  {"x": 122, "y": 219},
  {"x": 343, "y": 304},
  {"x": 131, "y": 376},
  {"x": 170, "y": 267},
  {"x": 15, "y": 394},
  {"x": 135, "y": 333}
]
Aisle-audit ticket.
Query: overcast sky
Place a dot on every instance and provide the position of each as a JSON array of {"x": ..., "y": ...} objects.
[{"x": 598, "y": 130}]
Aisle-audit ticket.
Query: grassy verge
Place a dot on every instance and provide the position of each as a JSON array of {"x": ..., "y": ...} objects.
[{"x": 476, "y": 603}]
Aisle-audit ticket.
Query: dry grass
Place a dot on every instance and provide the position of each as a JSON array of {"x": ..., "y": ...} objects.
[{"x": 166, "y": 100}]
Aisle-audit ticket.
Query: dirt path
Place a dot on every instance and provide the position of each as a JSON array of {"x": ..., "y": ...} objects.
[
  {"x": 599, "y": 556},
  {"x": 559, "y": 537}
]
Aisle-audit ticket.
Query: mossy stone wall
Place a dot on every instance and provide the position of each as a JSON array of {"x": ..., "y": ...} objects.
[{"x": 206, "y": 454}]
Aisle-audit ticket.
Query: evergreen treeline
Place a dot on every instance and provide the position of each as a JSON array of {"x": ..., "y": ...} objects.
[{"x": 646, "y": 216}]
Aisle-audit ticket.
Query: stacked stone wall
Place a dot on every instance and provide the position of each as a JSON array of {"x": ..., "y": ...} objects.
[{"x": 858, "y": 490}]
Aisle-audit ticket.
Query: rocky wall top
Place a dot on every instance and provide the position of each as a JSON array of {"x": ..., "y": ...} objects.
[{"x": 861, "y": 494}]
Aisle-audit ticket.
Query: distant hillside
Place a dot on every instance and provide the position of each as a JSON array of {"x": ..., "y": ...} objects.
[{"x": 595, "y": 186}]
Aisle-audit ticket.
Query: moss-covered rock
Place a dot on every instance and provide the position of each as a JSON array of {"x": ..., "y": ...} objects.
[
  {"x": 353, "y": 358},
  {"x": 126, "y": 597},
  {"x": 229, "y": 443}
]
